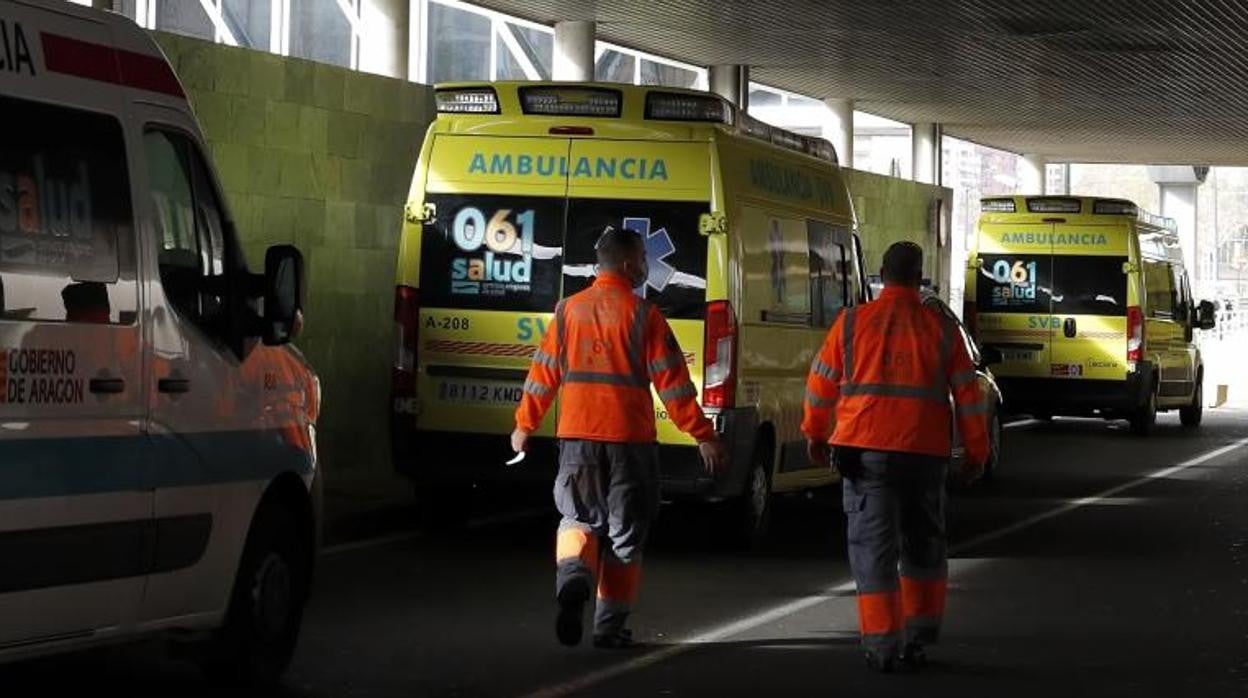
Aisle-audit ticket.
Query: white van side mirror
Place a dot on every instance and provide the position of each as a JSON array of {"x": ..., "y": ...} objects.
[{"x": 283, "y": 294}]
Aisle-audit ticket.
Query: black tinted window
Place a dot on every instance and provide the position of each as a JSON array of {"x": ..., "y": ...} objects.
[
  {"x": 829, "y": 273},
  {"x": 196, "y": 253},
  {"x": 1014, "y": 283},
  {"x": 675, "y": 250},
  {"x": 66, "y": 223},
  {"x": 492, "y": 253},
  {"x": 1088, "y": 285}
]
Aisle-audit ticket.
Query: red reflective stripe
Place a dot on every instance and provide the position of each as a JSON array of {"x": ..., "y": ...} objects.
[
  {"x": 923, "y": 598},
  {"x": 879, "y": 613},
  {"x": 83, "y": 59}
]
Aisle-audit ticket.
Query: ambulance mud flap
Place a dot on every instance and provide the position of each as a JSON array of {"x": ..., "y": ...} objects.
[{"x": 683, "y": 474}]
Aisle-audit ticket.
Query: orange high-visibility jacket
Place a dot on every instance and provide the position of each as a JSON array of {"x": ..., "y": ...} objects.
[
  {"x": 887, "y": 369},
  {"x": 602, "y": 353}
]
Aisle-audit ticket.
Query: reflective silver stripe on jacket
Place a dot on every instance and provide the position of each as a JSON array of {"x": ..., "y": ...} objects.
[
  {"x": 973, "y": 410},
  {"x": 605, "y": 379},
  {"x": 917, "y": 392},
  {"x": 823, "y": 370},
  {"x": 679, "y": 392},
  {"x": 536, "y": 389},
  {"x": 815, "y": 401},
  {"x": 637, "y": 342},
  {"x": 666, "y": 363},
  {"x": 542, "y": 358}
]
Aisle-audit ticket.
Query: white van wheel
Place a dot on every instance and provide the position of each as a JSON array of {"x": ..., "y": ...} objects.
[{"x": 257, "y": 641}]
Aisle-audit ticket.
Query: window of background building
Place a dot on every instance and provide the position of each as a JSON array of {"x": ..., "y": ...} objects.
[
  {"x": 186, "y": 18},
  {"x": 614, "y": 66},
  {"x": 321, "y": 31},
  {"x": 656, "y": 73},
  {"x": 458, "y": 44},
  {"x": 882, "y": 145},
  {"x": 250, "y": 21},
  {"x": 524, "y": 53}
]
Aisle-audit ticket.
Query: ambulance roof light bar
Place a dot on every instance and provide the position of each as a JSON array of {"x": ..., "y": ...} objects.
[
  {"x": 466, "y": 100},
  {"x": 996, "y": 206},
  {"x": 1054, "y": 205},
  {"x": 815, "y": 147},
  {"x": 571, "y": 101},
  {"x": 678, "y": 106}
]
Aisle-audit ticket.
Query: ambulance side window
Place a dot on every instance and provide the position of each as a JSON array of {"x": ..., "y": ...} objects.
[
  {"x": 194, "y": 248},
  {"x": 1161, "y": 295},
  {"x": 830, "y": 265},
  {"x": 67, "y": 251}
]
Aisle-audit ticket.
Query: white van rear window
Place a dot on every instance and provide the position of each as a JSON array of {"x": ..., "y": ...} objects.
[{"x": 66, "y": 224}]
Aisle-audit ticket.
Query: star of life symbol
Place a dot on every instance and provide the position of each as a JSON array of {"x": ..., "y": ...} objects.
[{"x": 659, "y": 247}]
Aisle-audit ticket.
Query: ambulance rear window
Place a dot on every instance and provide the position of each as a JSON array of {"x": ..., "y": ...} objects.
[
  {"x": 1014, "y": 283},
  {"x": 486, "y": 252},
  {"x": 675, "y": 250},
  {"x": 66, "y": 223},
  {"x": 1089, "y": 285}
]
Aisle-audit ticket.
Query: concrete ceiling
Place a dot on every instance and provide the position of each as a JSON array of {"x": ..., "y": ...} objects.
[{"x": 1138, "y": 81}]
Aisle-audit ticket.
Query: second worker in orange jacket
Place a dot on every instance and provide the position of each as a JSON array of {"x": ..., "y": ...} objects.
[
  {"x": 879, "y": 394},
  {"x": 605, "y": 349}
]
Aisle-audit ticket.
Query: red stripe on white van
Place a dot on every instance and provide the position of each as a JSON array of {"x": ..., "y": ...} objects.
[{"x": 83, "y": 59}]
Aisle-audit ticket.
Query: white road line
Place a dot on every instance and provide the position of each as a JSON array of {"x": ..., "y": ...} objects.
[
  {"x": 748, "y": 623},
  {"x": 395, "y": 538},
  {"x": 1020, "y": 423}
]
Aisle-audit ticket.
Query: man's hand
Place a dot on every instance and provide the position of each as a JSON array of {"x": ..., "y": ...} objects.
[
  {"x": 714, "y": 456},
  {"x": 970, "y": 471},
  {"x": 818, "y": 453},
  {"x": 519, "y": 440}
]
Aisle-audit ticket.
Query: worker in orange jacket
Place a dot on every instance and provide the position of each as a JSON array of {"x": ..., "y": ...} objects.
[
  {"x": 605, "y": 348},
  {"x": 879, "y": 394}
]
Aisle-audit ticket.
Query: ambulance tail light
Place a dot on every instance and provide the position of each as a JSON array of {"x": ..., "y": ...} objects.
[
  {"x": 719, "y": 373},
  {"x": 1135, "y": 335},
  {"x": 406, "y": 326}
]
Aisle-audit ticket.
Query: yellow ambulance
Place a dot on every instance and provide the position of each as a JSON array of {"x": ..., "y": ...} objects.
[
  {"x": 1090, "y": 306},
  {"x": 750, "y": 237}
]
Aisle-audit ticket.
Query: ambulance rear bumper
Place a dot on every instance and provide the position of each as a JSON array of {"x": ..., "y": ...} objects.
[{"x": 1075, "y": 397}]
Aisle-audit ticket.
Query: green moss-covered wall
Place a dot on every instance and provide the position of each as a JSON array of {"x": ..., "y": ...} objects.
[
  {"x": 320, "y": 157},
  {"x": 891, "y": 210}
]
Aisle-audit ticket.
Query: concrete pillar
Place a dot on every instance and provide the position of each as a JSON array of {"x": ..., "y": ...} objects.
[
  {"x": 838, "y": 129},
  {"x": 574, "y": 51},
  {"x": 1178, "y": 201},
  {"x": 384, "y": 37},
  {"x": 1031, "y": 174},
  {"x": 732, "y": 82},
  {"x": 925, "y": 152}
]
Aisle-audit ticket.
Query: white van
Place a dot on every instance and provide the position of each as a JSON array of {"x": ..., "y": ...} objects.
[{"x": 157, "y": 447}]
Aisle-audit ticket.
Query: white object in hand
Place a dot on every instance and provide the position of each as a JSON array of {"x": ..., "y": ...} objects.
[{"x": 514, "y": 461}]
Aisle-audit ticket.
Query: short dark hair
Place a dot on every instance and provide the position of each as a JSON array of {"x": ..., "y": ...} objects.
[
  {"x": 616, "y": 245},
  {"x": 903, "y": 264}
]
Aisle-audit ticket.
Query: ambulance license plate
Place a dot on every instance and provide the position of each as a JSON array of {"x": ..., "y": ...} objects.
[
  {"x": 479, "y": 392},
  {"x": 1025, "y": 355}
]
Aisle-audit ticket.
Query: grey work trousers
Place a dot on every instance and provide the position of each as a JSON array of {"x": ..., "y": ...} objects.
[
  {"x": 608, "y": 496},
  {"x": 895, "y": 509}
]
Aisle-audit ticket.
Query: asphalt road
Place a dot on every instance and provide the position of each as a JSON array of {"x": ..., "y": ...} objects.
[{"x": 1097, "y": 564}]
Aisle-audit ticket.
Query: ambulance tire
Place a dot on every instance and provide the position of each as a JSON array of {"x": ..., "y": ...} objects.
[
  {"x": 257, "y": 642},
  {"x": 1145, "y": 417},
  {"x": 1192, "y": 415},
  {"x": 753, "y": 508}
]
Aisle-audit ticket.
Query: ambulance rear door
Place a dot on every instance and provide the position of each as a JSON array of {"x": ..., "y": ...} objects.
[{"x": 491, "y": 270}]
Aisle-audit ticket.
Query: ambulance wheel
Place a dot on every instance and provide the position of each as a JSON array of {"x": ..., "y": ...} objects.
[
  {"x": 257, "y": 642},
  {"x": 1145, "y": 417},
  {"x": 1192, "y": 415},
  {"x": 753, "y": 509}
]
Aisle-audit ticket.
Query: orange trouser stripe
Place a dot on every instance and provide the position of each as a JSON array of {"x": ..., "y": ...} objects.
[
  {"x": 572, "y": 543},
  {"x": 879, "y": 613},
  {"x": 619, "y": 581},
  {"x": 923, "y": 598}
]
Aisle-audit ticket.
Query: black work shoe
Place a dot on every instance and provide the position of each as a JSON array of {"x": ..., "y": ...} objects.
[
  {"x": 619, "y": 640},
  {"x": 568, "y": 624},
  {"x": 883, "y": 663},
  {"x": 913, "y": 656}
]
